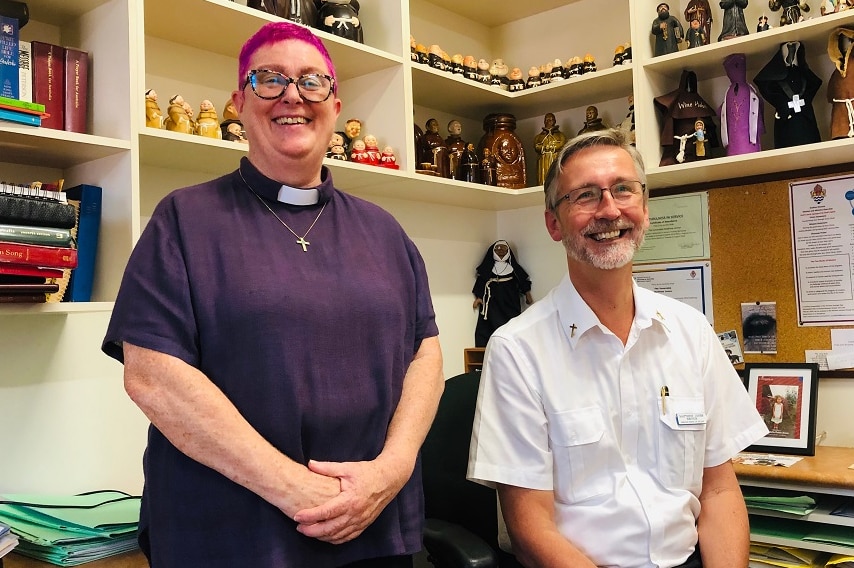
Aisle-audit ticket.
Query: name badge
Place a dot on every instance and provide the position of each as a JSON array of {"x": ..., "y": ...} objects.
[{"x": 687, "y": 418}]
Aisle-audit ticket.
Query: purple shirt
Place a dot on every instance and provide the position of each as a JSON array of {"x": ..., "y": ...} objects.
[{"x": 311, "y": 347}]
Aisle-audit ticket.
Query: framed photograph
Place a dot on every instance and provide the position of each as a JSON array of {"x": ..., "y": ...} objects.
[{"x": 785, "y": 395}]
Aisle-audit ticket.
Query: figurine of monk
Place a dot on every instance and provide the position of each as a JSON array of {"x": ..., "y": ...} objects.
[
  {"x": 456, "y": 145},
  {"x": 336, "y": 150},
  {"x": 547, "y": 144},
  {"x": 178, "y": 120},
  {"x": 792, "y": 9},
  {"x": 667, "y": 31},
  {"x": 388, "y": 159},
  {"x": 700, "y": 10},
  {"x": 433, "y": 150},
  {"x": 593, "y": 122},
  {"x": 232, "y": 131},
  {"x": 188, "y": 108},
  {"x": 515, "y": 82},
  {"x": 207, "y": 124},
  {"x": 153, "y": 115},
  {"x": 229, "y": 112},
  {"x": 372, "y": 148}
]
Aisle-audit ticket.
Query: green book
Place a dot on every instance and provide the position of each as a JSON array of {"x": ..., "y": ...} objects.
[
  {"x": 37, "y": 107},
  {"x": 35, "y": 235}
]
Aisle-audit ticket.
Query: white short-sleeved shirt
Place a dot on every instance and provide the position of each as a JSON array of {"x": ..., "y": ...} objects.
[{"x": 564, "y": 406}]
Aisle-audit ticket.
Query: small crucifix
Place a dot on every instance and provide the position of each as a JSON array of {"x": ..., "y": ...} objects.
[
  {"x": 573, "y": 327},
  {"x": 303, "y": 243},
  {"x": 797, "y": 103}
]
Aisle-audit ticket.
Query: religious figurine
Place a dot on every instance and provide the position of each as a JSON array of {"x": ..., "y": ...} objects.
[
  {"x": 734, "y": 24},
  {"x": 619, "y": 53},
  {"x": 742, "y": 111},
  {"x": 177, "y": 119},
  {"x": 456, "y": 145},
  {"x": 792, "y": 10},
  {"x": 300, "y": 11},
  {"x": 457, "y": 64},
  {"x": 469, "y": 169},
  {"x": 840, "y": 87},
  {"x": 470, "y": 67},
  {"x": 188, "y": 108},
  {"x": 789, "y": 85},
  {"x": 700, "y": 138},
  {"x": 388, "y": 159},
  {"x": 435, "y": 58},
  {"x": 834, "y": 6},
  {"x": 680, "y": 109},
  {"x": 592, "y": 121},
  {"x": 352, "y": 130},
  {"x": 359, "y": 153},
  {"x": 695, "y": 36},
  {"x": 232, "y": 131},
  {"x": 372, "y": 148},
  {"x": 588, "y": 64},
  {"x": 413, "y": 54},
  {"x": 487, "y": 168},
  {"x": 483, "y": 71},
  {"x": 506, "y": 149},
  {"x": 533, "y": 78},
  {"x": 207, "y": 123},
  {"x": 498, "y": 74},
  {"x": 547, "y": 144},
  {"x": 499, "y": 287},
  {"x": 627, "y": 53},
  {"x": 700, "y": 10},
  {"x": 667, "y": 31},
  {"x": 336, "y": 149},
  {"x": 763, "y": 25},
  {"x": 574, "y": 67},
  {"x": 515, "y": 82},
  {"x": 432, "y": 149},
  {"x": 153, "y": 115},
  {"x": 229, "y": 111},
  {"x": 341, "y": 18},
  {"x": 628, "y": 123},
  {"x": 546, "y": 73},
  {"x": 556, "y": 73},
  {"x": 421, "y": 53}
]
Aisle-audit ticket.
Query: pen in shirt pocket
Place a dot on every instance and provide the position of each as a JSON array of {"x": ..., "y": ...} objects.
[{"x": 665, "y": 392}]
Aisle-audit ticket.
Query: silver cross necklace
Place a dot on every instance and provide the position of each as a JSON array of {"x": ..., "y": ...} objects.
[{"x": 300, "y": 239}]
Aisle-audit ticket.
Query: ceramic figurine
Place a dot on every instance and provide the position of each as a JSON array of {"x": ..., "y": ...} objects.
[
  {"x": 435, "y": 58},
  {"x": 388, "y": 159},
  {"x": 628, "y": 123},
  {"x": 498, "y": 74},
  {"x": 700, "y": 138},
  {"x": 701, "y": 11},
  {"x": 546, "y": 73},
  {"x": 352, "y": 130},
  {"x": 456, "y": 146},
  {"x": 834, "y": 6},
  {"x": 557, "y": 71},
  {"x": 695, "y": 36},
  {"x": 840, "y": 86},
  {"x": 432, "y": 149},
  {"x": 734, "y": 24},
  {"x": 177, "y": 119},
  {"x": 487, "y": 168},
  {"x": 470, "y": 67},
  {"x": 667, "y": 31},
  {"x": 188, "y": 108},
  {"x": 336, "y": 149},
  {"x": 421, "y": 54},
  {"x": 792, "y": 10},
  {"x": 499, "y": 287},
  {"x": 506, "y": 149},
  {"x": 340, "y": 18},
  {"x": 680, "y": 109},
  {"x": 515, "y": 82},
  {"x": 533, "y": 78},
  {"x": 742, "y": 111},
  {"x": 547, "y": 144},
  {"x": 300, "y": 11},
  {"x": 789, "y": 85},
  {"x": 457, "y": 64},
  {"x": 574, "y": 67},
  {"x": 359, "y": 153},
  {"x": 592, "y": 121},
  {"x": 232, "y": 131},
  {"x": 619, "y": 52},
  {"x": 763, "y": 25},
  {"x": 372, "y": 148},
  {"x": 413, "y": 54},
  {"x": 153, "y": 115},
  {"x": 207, "y": 123},
  {"x": 483, "y": 71},
  {"x": 469, "y": 169},
  {"x": 229, "y": 111},
  {"x": 627, "y": 53},
  {"x": 588, "y": 64}
]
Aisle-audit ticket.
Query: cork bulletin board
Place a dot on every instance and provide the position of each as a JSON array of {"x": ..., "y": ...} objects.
[{"x": 751, "y": 248}]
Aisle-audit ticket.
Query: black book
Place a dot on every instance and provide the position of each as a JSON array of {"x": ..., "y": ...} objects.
[{"x": 36, "y": 212}]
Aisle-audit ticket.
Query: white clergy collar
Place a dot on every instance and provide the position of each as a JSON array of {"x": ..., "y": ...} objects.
[{"x": 297, "y": 196}]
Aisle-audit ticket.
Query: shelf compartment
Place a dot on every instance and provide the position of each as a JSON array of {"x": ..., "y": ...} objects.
[{"x": 46, "y": 147}]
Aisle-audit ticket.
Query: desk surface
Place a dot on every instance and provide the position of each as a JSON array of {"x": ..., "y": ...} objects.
[
  {"x": 128, "y": 560},
  {"x": 828, "y": 468}
]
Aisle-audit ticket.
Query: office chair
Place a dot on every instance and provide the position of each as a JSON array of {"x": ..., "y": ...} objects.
[{"x": 461, "y": 530}]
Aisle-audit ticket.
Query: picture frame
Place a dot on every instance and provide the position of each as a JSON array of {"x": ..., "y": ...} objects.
[{"x": 785, "y": 395}]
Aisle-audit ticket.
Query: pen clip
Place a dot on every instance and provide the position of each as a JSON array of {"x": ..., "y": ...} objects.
[{"x": 665, "y": 392}]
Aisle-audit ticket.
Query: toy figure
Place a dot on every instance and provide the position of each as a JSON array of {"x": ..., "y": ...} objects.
[
  {"x": 469, "y": 169},
  {"x": 457, "y": 64},
  {"x": 341, "y": 18},
  {"x": 680, "y": 109},
  {"x": 619, "y": 52},
  {"x": 742, "y": 111},
  {"x": 413, "y": 54},
  {"x": 232, "y": 131},
  {"x": 470, "y": 67},
  {"x": 487, "y": 168},
  {"x": 372, "y": 148},
  {"x": 533, "y": 78},
  {"x": 547, "y": 144},
  {"x": 300, "y": 11},
  {"x": 792, "y": 9},
  {"x": 505, "y": 148},
  {"x": 592, "y": 122},
  {"x": 667, "y": 31},
  {"x": 515, "y": 82},
  {"x": 628, "y": 123},
  {"x": 833, "y": 6},
  {"x": 483, "y": 71},
  {"x": 178, "y": 120},
  {"x": 421, "y": 53},
  {"x": 734, "y": 24},
  {"x": 627, "y": 53},
  {"x": 359, "y": 154},
  {"x": 695, "y": 36},
  {"x": 207, "y": 124},
  {"x": 575, "y": 67},
  {"x": 388, "y": 159},
  {"x": 763, "y": 25},
  {"x": 456, "y": 145},
  {"x": 498, "y": 74},
  {"x": 556, "y": 73},
  {"x": 188, "y": 108},
  {"x": 435, "y": 59},
  {"x": 588, "y": 64},
  {"x": 546, "y": 73},
  {"x": 352, "y": 130},
  {"x": 229, "y": 112},
  {"x": 840, "y": 87},
  {"x": 700, "y": 10},
  {"x": 153, "y": 115},
  {"x": 498, "y": 289},
  {"x": 700, "y": 139},
  {"x": 336, "y": 149},
  {"x": 789, "y": 85},
  {"x": 432, "y": 149}
]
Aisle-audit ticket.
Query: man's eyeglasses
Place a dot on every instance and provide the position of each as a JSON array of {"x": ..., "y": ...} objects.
[
  {"x": 588, "y": 198},
  {"x": 269, "y": 85}
]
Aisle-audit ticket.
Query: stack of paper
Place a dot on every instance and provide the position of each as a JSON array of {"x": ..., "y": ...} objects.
[
  {"x": 763, "y": 556},
  {"x": 784, "y": 502},
  {"x": 8, "y": 540},
  {"x": 70, "y": 530}
]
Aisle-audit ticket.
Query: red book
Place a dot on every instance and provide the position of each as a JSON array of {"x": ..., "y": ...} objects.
[
  {"x": 76, "y": 90},
  {"x": 37, "y": 255},
  {"x": 48, "y": 64},
  {"x": 13, "y": 269}
]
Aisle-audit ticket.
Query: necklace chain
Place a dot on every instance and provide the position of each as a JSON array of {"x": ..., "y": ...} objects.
[{"x": 300, "y": 239}]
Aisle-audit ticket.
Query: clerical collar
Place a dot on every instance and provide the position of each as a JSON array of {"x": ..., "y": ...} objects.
[
  {"x": 297, "y": 196},
  {"x": 275, "y": 191}
]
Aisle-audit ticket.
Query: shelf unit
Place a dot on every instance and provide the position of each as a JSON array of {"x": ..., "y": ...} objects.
[{"x": 190, "y": 47}]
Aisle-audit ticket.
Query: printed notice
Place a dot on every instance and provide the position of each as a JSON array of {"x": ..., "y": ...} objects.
[
  {"x": 822, "y": 243},
  {"x": 678, "y": 229},
  {"x": 688, "y": 282}
]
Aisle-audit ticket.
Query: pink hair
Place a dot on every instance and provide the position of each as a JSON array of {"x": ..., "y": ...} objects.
[{"x": 275, "y": 32}]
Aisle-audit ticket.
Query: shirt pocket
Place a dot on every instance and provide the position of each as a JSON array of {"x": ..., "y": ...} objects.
[
  {"x": 580, "y": 460},
  {"x": 681, "y": 442}
]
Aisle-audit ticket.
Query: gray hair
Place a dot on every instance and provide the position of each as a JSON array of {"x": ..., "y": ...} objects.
[{"x": 610, "y": 137}]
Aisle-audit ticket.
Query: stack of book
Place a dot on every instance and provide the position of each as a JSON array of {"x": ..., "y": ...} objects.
[
  {"x": 22, "y": 112},
  {"x": 36, "y": 244},
  {"x": 8, "y": 540}
]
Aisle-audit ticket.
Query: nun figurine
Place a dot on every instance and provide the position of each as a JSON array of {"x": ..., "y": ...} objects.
[
  {"x": 840, "y": 87},
  {"x": 742, "y": 111},
  {"x": 341, "y": 18},
  {"x": 500, "y": 285}
]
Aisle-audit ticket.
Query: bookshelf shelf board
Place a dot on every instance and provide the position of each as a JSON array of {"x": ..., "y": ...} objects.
[
  {"x": 54, "y": 148},
  {"x": 57, "y": 308}
]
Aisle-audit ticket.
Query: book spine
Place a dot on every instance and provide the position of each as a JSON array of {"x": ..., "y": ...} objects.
[
  {"x": 23, "y": 299},
  {"x": 22, "y": 105},
  {"x": 8, "y": 57},
  {"x": 88, "y": 198},
  {"x": 37, "y": 255},
  {"x": 35, "y": 235},
  {"x": 25, "y": 73},
  {"x": 36, "y": 212},
  {"x": 48, "y": 75},
  {"x": 20, "y": 117},
  {"x": 44, "y": 288},
  {"x": 12, "y": 269},
  {"x": 76, "y": 90}
]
